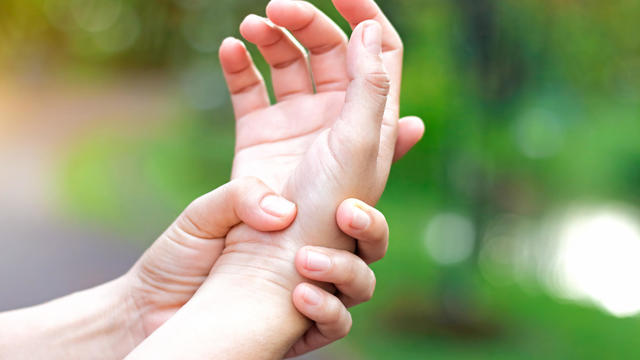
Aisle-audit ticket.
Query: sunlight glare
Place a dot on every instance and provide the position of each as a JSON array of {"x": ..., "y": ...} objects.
[{"x": 598, "y": 259}]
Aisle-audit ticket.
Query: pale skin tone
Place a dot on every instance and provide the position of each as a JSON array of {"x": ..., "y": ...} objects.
[
  {"x": 272, "y": 140},
  {"x": 317, "y": 149},
  {"x": 107, "y": 322},
  {"x": 276, "y": 146}
]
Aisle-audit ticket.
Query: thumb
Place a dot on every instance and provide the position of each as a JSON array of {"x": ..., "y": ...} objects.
[
  {"x": 357, "y": 131},
  {"x": 192, "y": 244},
  {"x": 246, "y": 200}
]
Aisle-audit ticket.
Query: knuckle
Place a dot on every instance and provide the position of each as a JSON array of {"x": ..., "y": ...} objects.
[
  {"x": 366, "y": 147},
  {"x": 348, "y": 272},
  {"x": 334, "y": 311},
  {"x": 379, "y": 83},
  {"x": 194, "y": 206},
  {"x": 247, "y": 182},
  {"x": 243, "y": 187}
]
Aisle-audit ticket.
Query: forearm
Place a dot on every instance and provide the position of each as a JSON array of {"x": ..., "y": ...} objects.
[
  {"x": 98, "y": 323},
  {"x": 237, "y": 314}
]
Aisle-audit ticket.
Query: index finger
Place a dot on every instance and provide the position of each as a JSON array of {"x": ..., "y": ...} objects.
[{"x": 367, "y": 225}]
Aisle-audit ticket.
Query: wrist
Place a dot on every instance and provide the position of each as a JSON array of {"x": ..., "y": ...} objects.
[{"x": 233, "y": 316}]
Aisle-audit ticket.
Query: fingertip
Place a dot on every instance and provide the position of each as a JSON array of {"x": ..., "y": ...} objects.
[
  {"x": 415, "y": 126},
  {"x": 278, "y": 209},
  {"x": 356, "y": 11},
  {"x": 251, "y": 25},
  {"x": 298, "y": 301},
  {"x": 258, "y": 30},
  {"x": 301, "y": 260},
  {"x": 233, "y": 55},
  {"x": 411, "y": 130},
  {"x": 228, "y": 41},
  {"x": 313, "y": 262},
  {"x": 229, "y": 44},
  {"x": 259, "y": 206},
  {"x": 276, "y": 10},
  {"x": 353, "y": 216},
  {"x": 372, "y": 36},
  {"x": 307, "y": 297},
  {"x": 360, "y": 28},
  {"x": 289, "y": 14}
]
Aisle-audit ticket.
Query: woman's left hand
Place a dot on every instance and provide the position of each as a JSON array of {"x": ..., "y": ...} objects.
[{"x": 350, "y": 273}]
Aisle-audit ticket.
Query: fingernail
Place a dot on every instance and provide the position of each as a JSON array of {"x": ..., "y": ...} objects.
[
  {"x": 360, "y": 220},
  {"x": 277, "y": 206},
  {"x": 373, "y": 38},
  {"x": 311, "y": 296},
  {"x": 317, "y": 261}
]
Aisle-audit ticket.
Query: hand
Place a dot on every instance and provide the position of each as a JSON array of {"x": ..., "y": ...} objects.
[
  {"x": 171, "y": 271},
  {"x": 176, "y": 265},
  {"x": 272, "y": 140},
  {"x": 246, "y": 297},
  {"x": 348, "y": 156},
  {"x": 350, "y": 273}
]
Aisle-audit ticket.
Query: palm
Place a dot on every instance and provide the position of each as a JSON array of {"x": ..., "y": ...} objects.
[
  {"x": 288, "y": 145},
  {"x": 274, "y": 140}
]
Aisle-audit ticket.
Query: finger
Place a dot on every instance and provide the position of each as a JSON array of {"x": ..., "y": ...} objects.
[
  {"x": 332, "y": 320},
  {"x": 365, "y": 99},
  {"x": 201, "y": 229},
  {"x": 246, "y": 200},
  {"x": 410, "y": 132},
  {"x": 289, "y": 69},
  {"x": 367, "y": 225},
  {"x": 355, "y": 12},
  {"x": 348, "y": 272},
  {"x": 246, "y": 85},
  {"x": 326, "y": 42}
]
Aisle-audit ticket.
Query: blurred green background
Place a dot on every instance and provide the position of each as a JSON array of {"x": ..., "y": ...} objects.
[{"x": 514, "y": 222}]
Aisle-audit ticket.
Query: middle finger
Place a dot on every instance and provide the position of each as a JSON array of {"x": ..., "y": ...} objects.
[
  {"x": 326, "y": 42},
  {"x": 289, "y": 69}
]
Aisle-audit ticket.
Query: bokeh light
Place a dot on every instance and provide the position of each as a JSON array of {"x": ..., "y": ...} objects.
[
  {"x": 597, "y": 259},
  {"x": 449, "y": 238}
]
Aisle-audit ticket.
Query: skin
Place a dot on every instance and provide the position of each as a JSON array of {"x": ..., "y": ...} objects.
[
  {"x": 322, "y": 159},
  {"x": 278, "y": 153},
  {"x": 273, "y": 140},
  {"x": 174, "y": 268},
  {"x": 107, "y": 322}
]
